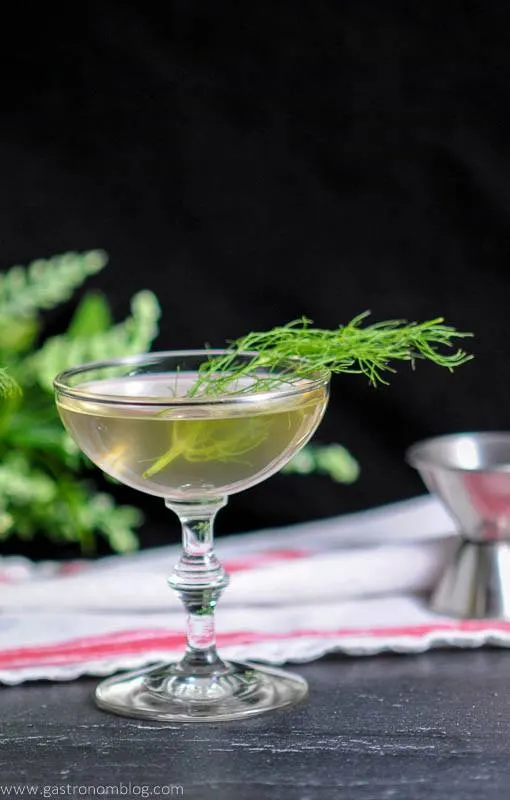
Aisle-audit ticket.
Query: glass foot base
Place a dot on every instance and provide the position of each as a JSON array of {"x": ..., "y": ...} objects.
[{"x": 165, "y": 693}]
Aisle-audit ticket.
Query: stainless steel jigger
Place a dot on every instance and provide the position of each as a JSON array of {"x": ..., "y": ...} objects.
[{"x": 470, "y": 473}]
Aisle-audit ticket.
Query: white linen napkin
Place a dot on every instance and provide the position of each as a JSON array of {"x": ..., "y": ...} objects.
[{"x": 354, "y": 583}]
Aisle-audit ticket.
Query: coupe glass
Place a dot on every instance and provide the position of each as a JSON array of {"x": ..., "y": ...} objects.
[{"x": 135, "y": 419}]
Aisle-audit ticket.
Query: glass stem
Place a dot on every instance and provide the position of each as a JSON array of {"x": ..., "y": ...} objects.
[{"x": 199, "y": 579}]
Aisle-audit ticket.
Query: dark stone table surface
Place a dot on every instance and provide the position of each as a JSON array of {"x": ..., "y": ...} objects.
[{"x": 431, "y": 726}]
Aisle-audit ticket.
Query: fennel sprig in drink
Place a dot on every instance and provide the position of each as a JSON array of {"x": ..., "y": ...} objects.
[{"x": 184, "y": 450}]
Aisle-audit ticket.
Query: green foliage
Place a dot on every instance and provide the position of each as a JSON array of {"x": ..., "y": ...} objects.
[
  {"x": 8, "y": 386},
  {"x": 330, "y": 459},
  {"x": 94, "y": 343},
  {"x": 44, "y": 489},
  {"x": 46, "y": 283}
]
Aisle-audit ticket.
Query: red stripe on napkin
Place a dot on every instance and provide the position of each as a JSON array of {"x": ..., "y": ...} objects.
[
  {"x": 253, "y": 560},
  {"x": 249, "y": 561},
  {"x": 137, "y": 642}
]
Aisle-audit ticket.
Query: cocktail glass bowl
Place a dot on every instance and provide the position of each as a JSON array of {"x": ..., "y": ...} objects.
[
  {"x": 470, "y": 473},
  {"x": 142, "y": 421}
]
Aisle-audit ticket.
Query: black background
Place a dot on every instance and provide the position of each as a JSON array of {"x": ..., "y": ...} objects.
[{"x": 252, "y": 162}]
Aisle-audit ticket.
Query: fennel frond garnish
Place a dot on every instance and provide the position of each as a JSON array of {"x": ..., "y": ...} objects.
[{"x": 369, "y": 350}]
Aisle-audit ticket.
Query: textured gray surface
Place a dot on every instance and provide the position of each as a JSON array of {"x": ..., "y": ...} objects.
[{"x": 429, "y": 726}]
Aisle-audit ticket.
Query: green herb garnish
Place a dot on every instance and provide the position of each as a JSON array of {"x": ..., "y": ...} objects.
[
  {"x": 287, "y": 354},
  {"x": 351, "y": 348},
  {"x": 201, "y": 443}
]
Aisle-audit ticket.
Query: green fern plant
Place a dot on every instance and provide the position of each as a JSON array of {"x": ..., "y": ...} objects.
[
  {"x": 44, "y": 486},
  {"x": 333, "y": 460},
  {"x": 8, "y": 386}
]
